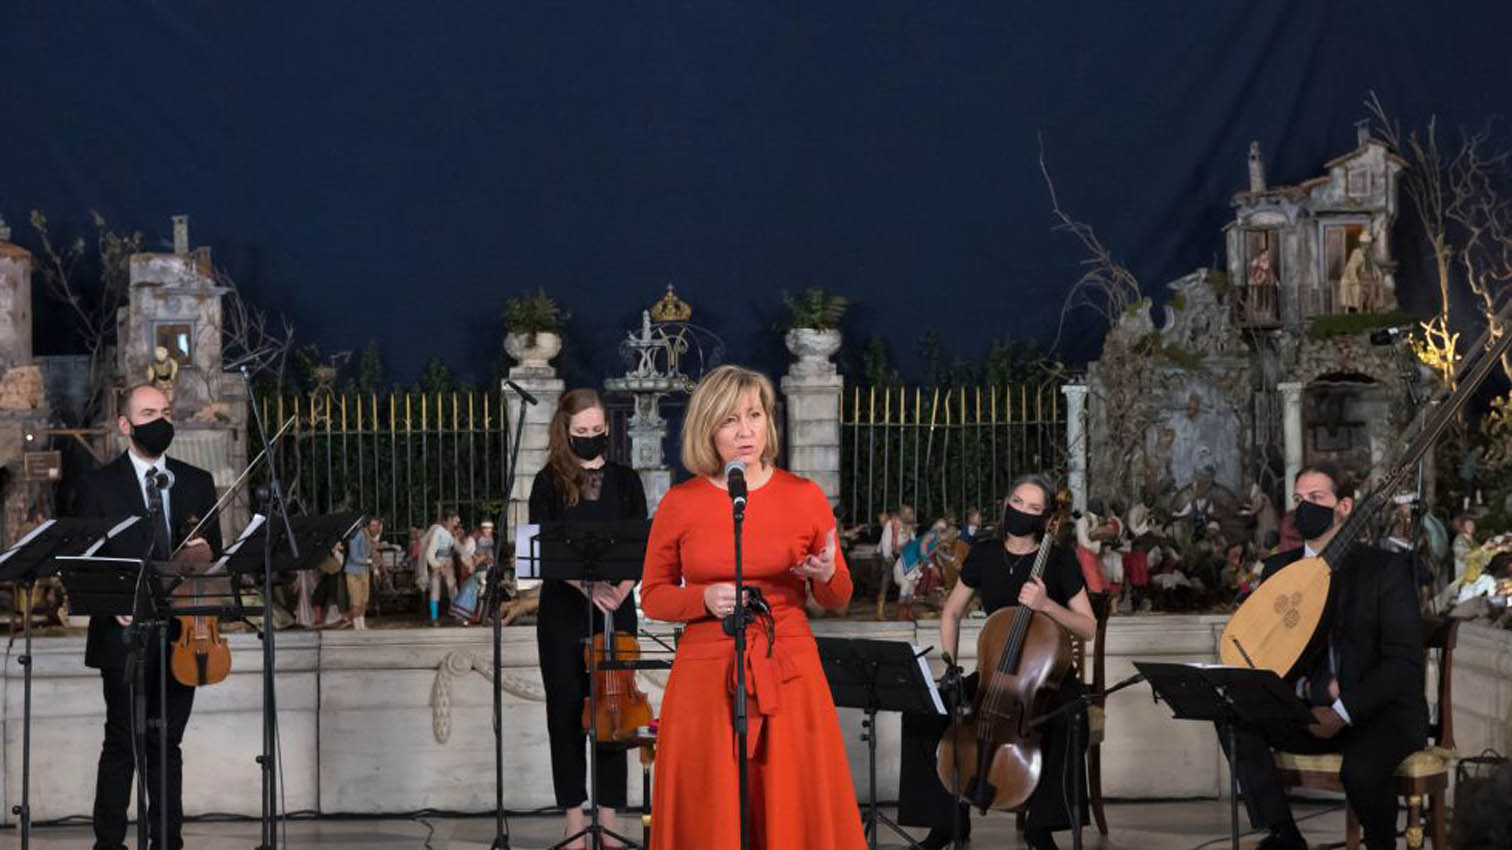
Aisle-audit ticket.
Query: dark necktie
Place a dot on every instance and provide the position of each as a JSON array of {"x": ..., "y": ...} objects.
[{"x": 162, "y": 548}]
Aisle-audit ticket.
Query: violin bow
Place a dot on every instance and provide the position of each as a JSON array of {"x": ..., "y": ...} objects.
[{"x": 235, "y": 485}]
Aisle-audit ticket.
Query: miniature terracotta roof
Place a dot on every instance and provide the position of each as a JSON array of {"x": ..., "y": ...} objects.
[
  {"x": 11, "y": 249},
  {"x": 1390, "y": 154}
]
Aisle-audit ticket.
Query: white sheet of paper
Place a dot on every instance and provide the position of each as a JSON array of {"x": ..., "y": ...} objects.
[
  {"x": 934, "y": 690},
  {"x": 120, "y": 527},
  {"x": 31, "y": 535}
]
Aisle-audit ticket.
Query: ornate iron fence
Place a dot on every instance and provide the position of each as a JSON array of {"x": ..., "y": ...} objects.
[
  {"x": 941, "y": 449},
  {"x": 400, "y": 456}
]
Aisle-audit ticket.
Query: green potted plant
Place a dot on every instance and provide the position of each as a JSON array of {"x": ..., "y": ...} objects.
[
  {"x": 813, "y": 329},
  {"x": 532, "y": 328}
]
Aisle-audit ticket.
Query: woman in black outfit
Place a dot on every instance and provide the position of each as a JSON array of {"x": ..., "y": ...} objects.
[
  {"x": 997, "y": 569},
  {"x": 579, "y": 484}
]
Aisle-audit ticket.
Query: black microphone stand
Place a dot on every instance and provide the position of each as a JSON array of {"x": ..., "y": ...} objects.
[
  {"x": 277, "y": 507},
  {"x": 1077, "y": 708},
  {"x": 735, "y": 626},
  {"x": 23, "y": 811},
  {"x": 142, "y": 631},
  {"x": 501, "y": 825}
]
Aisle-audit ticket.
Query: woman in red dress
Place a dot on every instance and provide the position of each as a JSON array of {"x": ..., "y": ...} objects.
[{"x": 800, "y": 789}]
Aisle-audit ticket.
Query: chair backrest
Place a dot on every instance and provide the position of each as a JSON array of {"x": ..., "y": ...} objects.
[
  {"x": 1094, "y": 675},
  {"x": 1441, "y": 634}
]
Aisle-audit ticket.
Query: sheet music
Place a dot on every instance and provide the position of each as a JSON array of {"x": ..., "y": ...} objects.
[
  {"x": 934, "y": 690},
  {"x": 253, "y": 525},
  {"x": 31, "y": 535},
  {"x": 120, "y": 527}
]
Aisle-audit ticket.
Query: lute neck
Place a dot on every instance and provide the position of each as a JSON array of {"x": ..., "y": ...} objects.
[{"x": 1483, "y": 359}]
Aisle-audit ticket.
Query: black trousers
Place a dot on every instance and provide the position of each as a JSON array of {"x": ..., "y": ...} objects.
[
  {"x": 113, "y": 782},
  {"x": 1371, "y": 754},
  {"x": 924, "y": 802},
  {"x": 561, "y": 628}
]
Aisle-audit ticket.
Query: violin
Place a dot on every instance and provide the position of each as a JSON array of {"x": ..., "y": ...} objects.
[
  {"x": 622, "y": 708},
  {"x": 1022, "y": 655},
  {"x": 200, "y": 655}
]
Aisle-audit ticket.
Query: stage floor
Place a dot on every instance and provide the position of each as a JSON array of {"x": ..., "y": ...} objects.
[{"x": 1133, "y": 826}]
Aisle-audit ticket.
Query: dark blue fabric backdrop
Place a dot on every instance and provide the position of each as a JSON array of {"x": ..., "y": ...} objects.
[{"x": 395, "y": 170}]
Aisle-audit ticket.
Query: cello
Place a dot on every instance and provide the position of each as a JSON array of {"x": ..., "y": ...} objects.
[{"x": 1022, "y": 655}]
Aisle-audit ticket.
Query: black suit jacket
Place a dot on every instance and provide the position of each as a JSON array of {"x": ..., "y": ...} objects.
[
  {"x": 1377, "y": 632},
  {"x": 114, "y": 491}
]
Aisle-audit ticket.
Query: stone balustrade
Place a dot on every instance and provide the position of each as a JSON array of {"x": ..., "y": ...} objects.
[{"x": 360, "y": 714}]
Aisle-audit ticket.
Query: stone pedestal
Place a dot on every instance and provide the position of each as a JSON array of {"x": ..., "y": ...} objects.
[
  {"x": 1291, "y": 430},
  {"x": 1076, "y": 444},
  {"x": 648, "y": 430},
  {"x": 541, "y": 382},
  {"x": 813, "y": 389}
]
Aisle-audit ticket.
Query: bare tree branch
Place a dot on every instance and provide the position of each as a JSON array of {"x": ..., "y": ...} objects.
[
  {"x": 92, "y": 306},
  {"x": 1105, "y": 286},
  {"x": 251, "y": 336}
]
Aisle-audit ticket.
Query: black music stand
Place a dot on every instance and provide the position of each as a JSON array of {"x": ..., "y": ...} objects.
[
  {"x": 1078, "y": 709},
  {"x": 134, "y": 587},
  {"x": 282, "y": 544},
  {"x": 878, "y": 675},
  {"x": 315, "y": 536},
  {"x": 1227, "y": 696},
  {"x": 23, "y": 565},
  {"x": 592, "y": 552}
]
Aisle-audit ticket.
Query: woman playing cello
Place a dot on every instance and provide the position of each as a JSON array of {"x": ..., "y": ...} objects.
[{"x": 997, "y": 569}]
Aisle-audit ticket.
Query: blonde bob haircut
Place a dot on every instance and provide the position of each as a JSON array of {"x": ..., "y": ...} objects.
[{"x": 714, "y": 400}]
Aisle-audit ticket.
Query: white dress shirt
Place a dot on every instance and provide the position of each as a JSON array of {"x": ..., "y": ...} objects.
[{"x": 141, "y": 467}]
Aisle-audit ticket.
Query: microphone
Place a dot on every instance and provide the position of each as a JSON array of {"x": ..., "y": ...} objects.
[
  {"x": 529, "y": 399},
  {"x": 735, "y": 480},
  {"x": 164, "y": 479}
]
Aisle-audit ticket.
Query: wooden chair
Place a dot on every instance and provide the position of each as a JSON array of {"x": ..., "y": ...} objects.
[
  {"x": 1097, "y": 681},
  {"x": 1094, "y": 676},
  {"x": 1424, "y": 773}
]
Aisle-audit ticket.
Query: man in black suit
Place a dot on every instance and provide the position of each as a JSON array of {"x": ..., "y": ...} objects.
[
  {"x": 1365, "y": 687},
  {"x": 143, "y": 481}
]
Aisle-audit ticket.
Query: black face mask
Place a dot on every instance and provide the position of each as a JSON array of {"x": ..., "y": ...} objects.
[
  {"x": 153, "y": 437},
  {"x": 1020, "y": 524},
  {"x": 1312, "y": 520},
  {"x": 588, "y": 448}
]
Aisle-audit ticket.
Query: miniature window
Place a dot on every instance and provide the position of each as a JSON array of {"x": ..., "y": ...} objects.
[
  {"x": 178, "y": 338},
  {"x": 1349, "y": 273},
  {"x": 1357, "y": 182},
  {"x": 1262, "y": 257}
]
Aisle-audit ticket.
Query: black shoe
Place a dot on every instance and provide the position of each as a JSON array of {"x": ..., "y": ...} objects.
[{"x": 1283, "y": 838}]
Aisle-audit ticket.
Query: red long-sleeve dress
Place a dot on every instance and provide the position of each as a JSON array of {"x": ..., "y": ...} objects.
[{"x": 800, "y": 792}]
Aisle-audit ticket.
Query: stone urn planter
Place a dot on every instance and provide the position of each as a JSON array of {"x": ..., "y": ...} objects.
[
  {"x": 813, "y": 348},
  {"x": 533, "y": 356}
]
